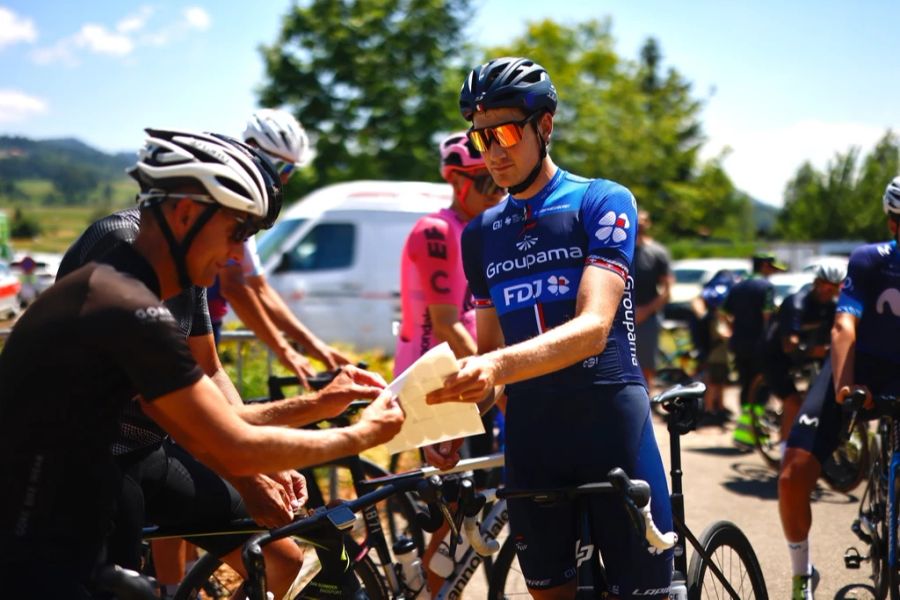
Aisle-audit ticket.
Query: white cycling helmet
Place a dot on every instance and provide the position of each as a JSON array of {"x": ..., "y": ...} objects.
[
  {"x": 278, "y": 133},
  {"x": 832, "y": 271},
  {"x": 891, "y": 200},
  {"x": 228, "y": 170}
]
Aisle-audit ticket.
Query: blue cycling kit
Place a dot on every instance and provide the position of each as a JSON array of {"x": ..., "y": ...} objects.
[
  {"x": 871, "y": 293},
  {"x": 525, "y": 259}
]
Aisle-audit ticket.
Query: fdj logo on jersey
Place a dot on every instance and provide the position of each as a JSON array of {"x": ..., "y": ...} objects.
[
  {"x": 613, "y": 227},
  {"x": 522, "y": 292}
]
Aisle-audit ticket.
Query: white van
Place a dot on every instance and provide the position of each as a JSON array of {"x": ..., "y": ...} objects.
[{"x": 335, "y": 256}]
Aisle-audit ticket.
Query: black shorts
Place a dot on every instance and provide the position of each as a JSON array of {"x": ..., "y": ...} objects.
[
  {"x": 777, "y": 373},
  {"x": 556, "y": 438},
  {"x": 168, "y": 487}
]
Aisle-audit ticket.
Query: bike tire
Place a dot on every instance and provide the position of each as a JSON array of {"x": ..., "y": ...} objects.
[
  {"x": 506, "y": 578},
  {"x": 732, "y": 553},
  {"x": 205, "y": 570},
  {"x": 848, "y": 465},
  {"x": 766, "y": 422}
]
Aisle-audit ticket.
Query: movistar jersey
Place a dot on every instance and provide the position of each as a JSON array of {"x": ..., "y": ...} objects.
[
  {"x": 871, "y": 293},
  {"x": 525, "y": 259}
]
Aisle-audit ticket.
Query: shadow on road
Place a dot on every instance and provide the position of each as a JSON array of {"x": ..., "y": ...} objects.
[
  {"x": 750, "y": 479},
  {"x": 855, "y": 590}
]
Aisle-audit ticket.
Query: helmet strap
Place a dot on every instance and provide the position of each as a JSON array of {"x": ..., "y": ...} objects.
[
  {"x": 179, "y": 251},
  {"x": 526, "y": 183},
  {"x": 461, "y": 196}
]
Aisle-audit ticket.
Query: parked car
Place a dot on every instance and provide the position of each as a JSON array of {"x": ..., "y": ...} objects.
[
  {"x": 9, "y": 292},
  {"x": 335, "y": 257},
  {"x": 691, "y": 275}
]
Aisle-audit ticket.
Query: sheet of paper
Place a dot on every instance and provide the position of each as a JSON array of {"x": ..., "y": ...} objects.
[{"x": 429, "y": 424}]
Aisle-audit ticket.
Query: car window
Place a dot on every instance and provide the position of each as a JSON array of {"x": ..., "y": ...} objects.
[
  {"x": 689, "y": 275},
  {"x": 326, "y": 246},
  {"x": 269, "y": 241}
]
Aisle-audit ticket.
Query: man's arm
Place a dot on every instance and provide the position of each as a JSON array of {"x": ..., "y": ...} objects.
[
  {"x": 233, "y": 447},
  {"x": 585, "y": 335},
  {"x": 288, "y": 323},
  {"x": 448, "y": 328},
  {"x": 248, "y": 308},
  {"x": 843, "y": 353}
]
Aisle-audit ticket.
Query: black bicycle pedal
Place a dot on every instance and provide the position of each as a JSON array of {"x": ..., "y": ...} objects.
[{"x": 852, "y": 558}]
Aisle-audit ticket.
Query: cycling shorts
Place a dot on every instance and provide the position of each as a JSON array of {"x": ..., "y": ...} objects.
[
  {"x": 168, "y": 487},
  {"x": 560, "y": 438},
  {"x": 817, "y": 428},
  {"x": 777, "y": 373}
]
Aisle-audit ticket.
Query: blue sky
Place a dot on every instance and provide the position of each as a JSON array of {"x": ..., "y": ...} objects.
[{"x": 782, "y": 82}]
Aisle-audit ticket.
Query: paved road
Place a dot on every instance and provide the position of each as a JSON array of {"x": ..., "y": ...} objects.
[{"x": 721, "y": 483}]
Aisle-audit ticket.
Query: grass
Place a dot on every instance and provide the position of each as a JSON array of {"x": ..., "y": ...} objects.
[{"x": 60, "y": 225}]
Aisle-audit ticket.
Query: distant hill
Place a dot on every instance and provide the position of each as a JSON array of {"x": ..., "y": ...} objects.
[
  {"x": 60, "y": 171},
  {"x": 764, "y": 215}
]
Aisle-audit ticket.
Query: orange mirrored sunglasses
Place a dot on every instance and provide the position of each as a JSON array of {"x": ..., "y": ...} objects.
[{"x": 506, "y": 134}]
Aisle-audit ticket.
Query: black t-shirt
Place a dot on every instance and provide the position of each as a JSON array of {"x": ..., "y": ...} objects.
[
  {"x": 747, "y": 301},
  {"x": 189, "y": 309},
  {"x": 85, "y": 347},
  {"x": 651, "y": 263}
]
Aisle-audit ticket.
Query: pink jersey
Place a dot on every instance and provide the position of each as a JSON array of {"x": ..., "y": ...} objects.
[{"x": 431, "y": 272}]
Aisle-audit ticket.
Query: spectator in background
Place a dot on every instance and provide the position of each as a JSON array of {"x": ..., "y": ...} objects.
[
  {"x": 283, "y": 141},
  {"x": 652, "y": 285},
  {"x": 745, "y": 313}
]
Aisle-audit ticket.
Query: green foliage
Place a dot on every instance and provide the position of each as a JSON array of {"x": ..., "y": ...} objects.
[
  {"x": 24, "y": 226},
  {"x": 844, "y": 201},
  {"x": 635, "y": 123},
  {"x": 363, "y": 75}
]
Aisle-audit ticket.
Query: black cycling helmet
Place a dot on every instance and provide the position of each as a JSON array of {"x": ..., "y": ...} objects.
[{"x": 508, "y": 82}]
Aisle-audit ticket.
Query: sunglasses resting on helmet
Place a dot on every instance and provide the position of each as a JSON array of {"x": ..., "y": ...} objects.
[{"x": 506, "y": 134}]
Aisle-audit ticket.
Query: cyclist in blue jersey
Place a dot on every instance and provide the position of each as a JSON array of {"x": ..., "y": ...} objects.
[
  {"x": 865, "y": 354},
  {"x": 549, "y": 269}
]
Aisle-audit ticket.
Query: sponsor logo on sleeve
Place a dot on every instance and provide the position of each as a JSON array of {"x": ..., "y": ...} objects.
[{"x": 613, "y": 228}]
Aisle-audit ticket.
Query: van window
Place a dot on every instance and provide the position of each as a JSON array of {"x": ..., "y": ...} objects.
[
  {"x": 326, "y": 246},
  {"x": 269, "y": 241}
]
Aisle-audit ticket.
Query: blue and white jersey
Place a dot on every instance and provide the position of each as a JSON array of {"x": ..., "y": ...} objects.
[
  {"x": 871, "y": 293},
  {"x": 525, "y": 258}
]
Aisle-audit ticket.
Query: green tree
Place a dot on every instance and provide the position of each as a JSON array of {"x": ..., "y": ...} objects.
[
  {"x": 365, "y": 76},
  {"x": 844, "y": 201},
  {"x": 635, "y": 123}
]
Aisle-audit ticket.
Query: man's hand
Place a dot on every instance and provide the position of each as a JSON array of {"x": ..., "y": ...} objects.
[
  {"x": 846, "y": 390},
  {"x": 267, "y": 500},
  {"x": 297, "y": 363},
  {"x": 351, "y": 383},
  {"x": 331, "y": 358},
  {"x": 294, "y": 488},
  {"x": 472, "y": 383},
  {"x": 444, "y": 455},
  {"x": 382, "y": 419}
]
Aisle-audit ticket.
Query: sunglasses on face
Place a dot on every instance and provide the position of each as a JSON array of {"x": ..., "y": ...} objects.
[
  {"x": 284, "y": 168},
  {"x": 506, "y": 134},
  {"x": 483, "y": 183},
  {"x": 244, "y": 229}
]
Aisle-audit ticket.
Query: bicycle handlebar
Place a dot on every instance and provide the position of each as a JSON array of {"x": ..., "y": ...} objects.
[{"x": 635, "y": 494}]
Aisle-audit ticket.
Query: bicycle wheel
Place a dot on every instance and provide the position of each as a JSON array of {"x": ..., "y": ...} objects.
[
  {"x": 765, "y": 418},
  {"x": 210, "y": 579},
  {"x": 506, "y": 579},
  {"x": 848, "y": 465},
  {"x": 730, "y": 550}
]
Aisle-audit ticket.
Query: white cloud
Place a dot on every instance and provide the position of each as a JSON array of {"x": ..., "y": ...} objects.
[
  {"x": 135, "y": 22},
  {"x": 197, "y": 18},
  {"x": 14, "y": 29},
  {"x": 18, "y": 106},
  {"x": 762, "y": 161},
  {"x": 130, "y": 33},
  {"x": 100, "y": 40}
]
